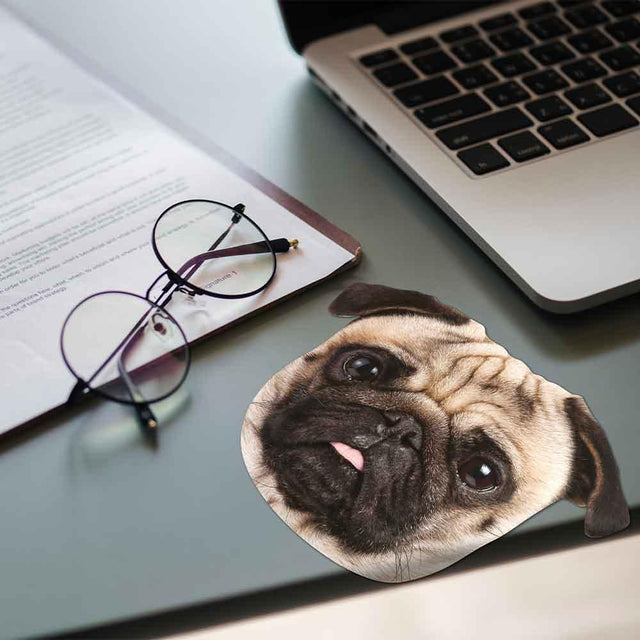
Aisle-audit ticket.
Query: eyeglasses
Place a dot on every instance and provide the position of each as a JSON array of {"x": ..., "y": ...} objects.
[{"x": 128, "y": 348}]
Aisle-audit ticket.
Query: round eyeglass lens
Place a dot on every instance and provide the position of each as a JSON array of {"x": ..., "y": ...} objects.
[
  {"x": 125, "y": 347},
  {"x": 214, "y": 249}
]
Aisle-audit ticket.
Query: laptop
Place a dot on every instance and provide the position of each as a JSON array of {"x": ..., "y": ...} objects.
[{"x": 521, "y": 120}]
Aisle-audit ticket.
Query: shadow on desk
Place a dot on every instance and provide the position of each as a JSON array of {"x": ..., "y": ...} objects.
[{"x": 508, "y": 548}]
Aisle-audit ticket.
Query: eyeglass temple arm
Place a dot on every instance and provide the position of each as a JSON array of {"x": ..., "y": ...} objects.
[
  {"x": 148, "y": 421},
  {"x": 84, "y": 384},
  {"x": 279, "y": 245},
  {"x": 239, "y": 208},
  {"x": 146, "y": 416}
]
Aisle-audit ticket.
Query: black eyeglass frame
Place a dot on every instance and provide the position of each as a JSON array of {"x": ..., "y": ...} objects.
[{"x": 176, "y": 283}]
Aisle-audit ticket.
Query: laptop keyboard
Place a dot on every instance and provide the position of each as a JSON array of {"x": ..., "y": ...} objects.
[{"x": 521, "y": 85}]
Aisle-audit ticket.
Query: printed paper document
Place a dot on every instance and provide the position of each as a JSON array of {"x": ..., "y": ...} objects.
[{"x": 83, "y": 175}]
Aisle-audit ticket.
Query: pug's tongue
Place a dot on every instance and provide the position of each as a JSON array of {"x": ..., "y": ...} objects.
[{"x": 354, "y": 456}]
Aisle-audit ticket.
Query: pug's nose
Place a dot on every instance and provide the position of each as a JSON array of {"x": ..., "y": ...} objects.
[{"x": 402, "y": 427}]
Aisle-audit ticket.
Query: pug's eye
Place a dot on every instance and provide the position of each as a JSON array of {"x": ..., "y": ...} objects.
[
  {"x": 361, "y": 368},
  {"x": 478, "y": 474}
]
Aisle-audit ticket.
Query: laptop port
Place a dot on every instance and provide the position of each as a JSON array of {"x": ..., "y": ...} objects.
[{"x": 368, "y": 129}]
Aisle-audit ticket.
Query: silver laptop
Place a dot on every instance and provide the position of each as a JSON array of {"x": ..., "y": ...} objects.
[{"x": 521, "y": 120}]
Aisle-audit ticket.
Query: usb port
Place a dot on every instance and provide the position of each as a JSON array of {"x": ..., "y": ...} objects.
[{"x": 369, "y": 129}]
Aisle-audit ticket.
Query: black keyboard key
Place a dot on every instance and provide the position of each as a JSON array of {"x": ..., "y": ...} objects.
[
  {"x": 513, "y": 65},
  {"x": 624, "y": 30},
  {"x": 563, "y": 134},
  {"x": 483, "y": 159},
  {"x": 451, "y": 111},
  {"x": 523, "y": 146},
  {"x": 537, "y": 10},
  {"x": 379, "y": 57},
  {"x": 506, "y": 93},
  {"x": 583, "y": 70},
  {"x": 634, "y": 103},
  {"x": 435, "y": 62},
  {"x": 608, "y": 120},
  {"x": 395, "y": 74},
  {"x": 459, "y": 33},
  {"x": 511, "y": 39},
  {"x": 481, "y": 129},
  {"x": 551, "y": 53},
  {"x": 549, "y": 108},
  {"x": 621, "y": 8},
  {"x": 569, "y": 4},
  {"x": 472, "y": 51},
  {"x": 425, "y": 91},
  {"x": 545, "y": 81},
  {"x": 626, "y": 84},
  {"x": 417, "y": 46},
  {"x": 549, "y": 28},
  {"x": 589, "y": 41},
  {"x": 590, "y": 95},
  {"x": 621, "y": 58},
  {"x": 498, "y": 22},
  {"x": 586, "y": 16},
  {"x": 474, "y": 77}
]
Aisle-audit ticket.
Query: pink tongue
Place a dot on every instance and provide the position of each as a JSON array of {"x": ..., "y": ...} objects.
[{"x": 349, "y": 453}]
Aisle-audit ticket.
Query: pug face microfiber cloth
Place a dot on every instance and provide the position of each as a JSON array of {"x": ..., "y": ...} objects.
[{"x": 409, "y": 439}]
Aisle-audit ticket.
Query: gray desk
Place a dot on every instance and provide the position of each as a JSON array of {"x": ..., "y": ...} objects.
[{"x": 89, "y": 539}]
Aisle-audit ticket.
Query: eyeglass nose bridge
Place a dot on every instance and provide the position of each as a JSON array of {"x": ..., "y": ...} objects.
[
  {"x": 172, "y": 281},
  {"x": 190, "y": 297}
]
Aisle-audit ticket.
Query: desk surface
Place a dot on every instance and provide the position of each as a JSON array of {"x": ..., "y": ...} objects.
[
  {"x": 91, "y": 535},
  {"x": 562, "y": 610}
]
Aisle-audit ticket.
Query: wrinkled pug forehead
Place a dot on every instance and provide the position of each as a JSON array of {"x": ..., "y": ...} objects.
[{"x": 409, "y": 439}]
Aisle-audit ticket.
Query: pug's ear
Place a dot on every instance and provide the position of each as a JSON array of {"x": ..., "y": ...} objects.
[
  {"x": 595, "y": 480},
  {"x": 361, "y": 299}
]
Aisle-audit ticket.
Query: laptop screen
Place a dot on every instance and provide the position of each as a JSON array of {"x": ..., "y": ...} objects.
[{"x": 309, "y": 20}]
